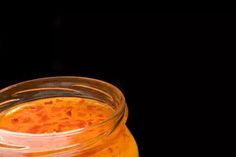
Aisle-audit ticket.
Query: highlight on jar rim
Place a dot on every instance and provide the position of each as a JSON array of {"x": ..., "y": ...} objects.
[{"x": 64, "y": 116}]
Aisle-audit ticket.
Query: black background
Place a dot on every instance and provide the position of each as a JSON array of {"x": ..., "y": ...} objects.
[{"x": 162, "y": 61}]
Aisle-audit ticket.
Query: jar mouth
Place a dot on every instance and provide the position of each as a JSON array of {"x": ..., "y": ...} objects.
[{"x": 107, "y": 89}]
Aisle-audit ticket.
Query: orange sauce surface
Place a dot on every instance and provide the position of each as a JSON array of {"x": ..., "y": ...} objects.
[
  {"x": 63, "y": 114},
  {"x": 54, "y": 115}
]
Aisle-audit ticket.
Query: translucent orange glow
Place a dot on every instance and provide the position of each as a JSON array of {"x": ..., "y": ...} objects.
[{"x": 62, "y": 114}]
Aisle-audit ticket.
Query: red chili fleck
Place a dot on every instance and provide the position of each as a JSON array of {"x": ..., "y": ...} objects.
[
  {"x": 80, "y": 123},
  {"x": 34, "y": 129},
  {"x": 66, "y": 118},
  {"x": 91, "y": 107},
  {"x": 110, "y": 150},
  {"x": 48, "y": 102},
  {"x": 59, "y": 100},
  {"x": 59, "y": 129},
  {"x": 44, "y": 130},
  {"x": 44, "y": 118},
  {"x": 100, "y": 115},
  {"x": 82, "y": 101},
  {"x": 65, "y": 123},
  {"x": 69, "y": 113},
  {"x": 35, "y": 108},
  {"x": 99, "y": 109},
  {"x": 90, "y": 123},
  {"x": 15, "y": 120}
]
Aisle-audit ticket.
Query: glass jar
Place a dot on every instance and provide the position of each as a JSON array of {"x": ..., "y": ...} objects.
[{"x": 109, "y": 138}]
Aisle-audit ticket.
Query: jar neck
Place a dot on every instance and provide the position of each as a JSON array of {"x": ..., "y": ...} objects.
[{"x": 79, "y": 139}]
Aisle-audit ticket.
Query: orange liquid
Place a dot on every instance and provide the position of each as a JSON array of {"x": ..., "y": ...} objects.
[{"x": 64, "y": 114}]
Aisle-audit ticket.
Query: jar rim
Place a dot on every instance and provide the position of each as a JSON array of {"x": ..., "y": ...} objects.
[{"x": 121, "y": 108}]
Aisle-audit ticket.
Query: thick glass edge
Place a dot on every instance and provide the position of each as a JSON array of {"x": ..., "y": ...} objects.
[{"x": 118, "y": 112}]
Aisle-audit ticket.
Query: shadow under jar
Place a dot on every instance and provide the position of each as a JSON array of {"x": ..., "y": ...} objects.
[{"x": 64, "y": 116}]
